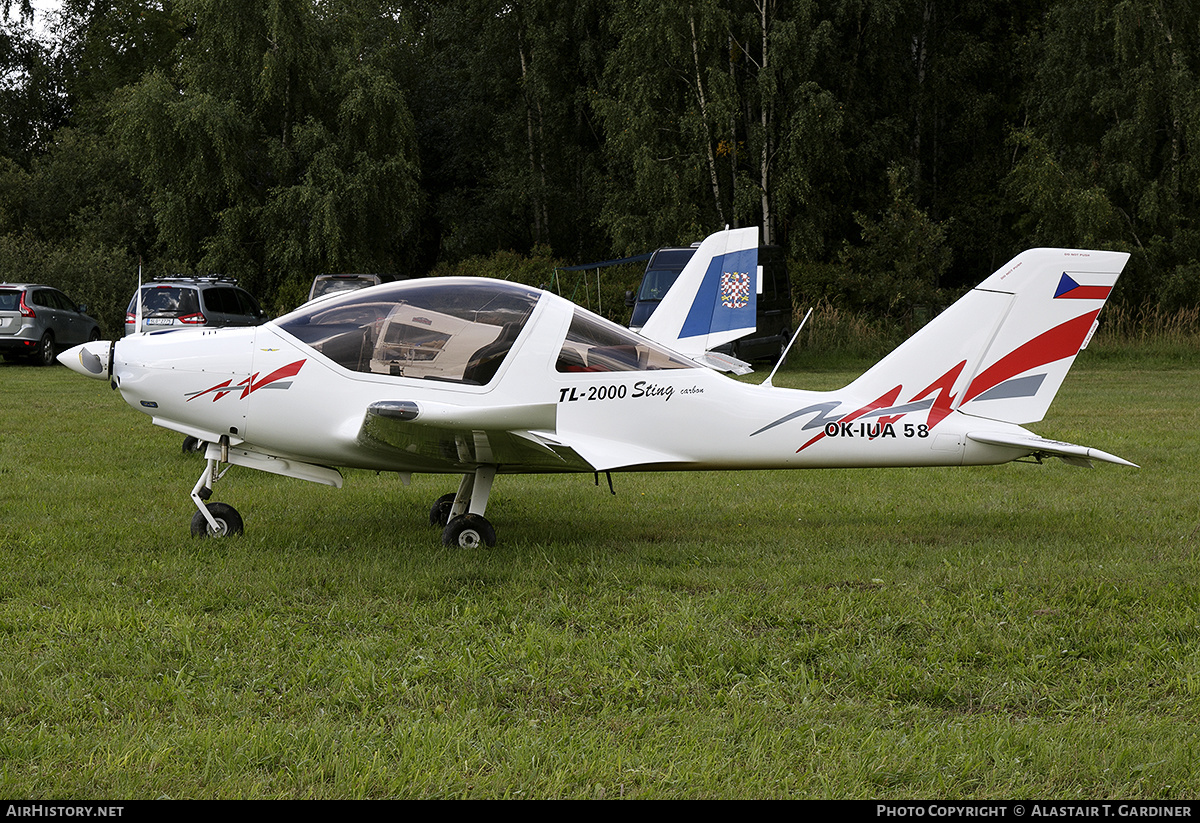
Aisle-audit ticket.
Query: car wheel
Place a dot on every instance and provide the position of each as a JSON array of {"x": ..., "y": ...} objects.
[
  {"x": 785, "y": 337},
  {"x": 93, "y": 336},
  {"x": 43, "y": 355}
]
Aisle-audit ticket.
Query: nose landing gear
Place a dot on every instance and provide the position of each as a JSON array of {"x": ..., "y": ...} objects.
[{"x": 214, "y": 519}]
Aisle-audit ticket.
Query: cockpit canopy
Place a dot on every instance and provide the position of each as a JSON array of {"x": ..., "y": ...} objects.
[
  {"x": 458, "y": 330},
  {"x": 594, "y": 344}
]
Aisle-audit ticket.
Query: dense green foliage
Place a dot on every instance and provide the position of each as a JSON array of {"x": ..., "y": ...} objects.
[{"x": 899, "y": 149}]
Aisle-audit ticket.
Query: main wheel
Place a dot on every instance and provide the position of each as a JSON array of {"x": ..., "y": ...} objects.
[
  {"x": 228, "y": 521},
  {"x": 439, "y": 514},
  {"x": 469, "y": 531}
]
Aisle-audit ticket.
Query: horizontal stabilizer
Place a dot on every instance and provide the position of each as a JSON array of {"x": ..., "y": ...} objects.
[
  {"x": 1040, "y": 447},
  {"x": 724, "y": 363}
]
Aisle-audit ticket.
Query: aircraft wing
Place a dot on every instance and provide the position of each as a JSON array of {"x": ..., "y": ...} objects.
[
  {"x": 442, "y": 437},
  {"x": 603, "y": 454},
  {"x": 1041, "y": 447}
]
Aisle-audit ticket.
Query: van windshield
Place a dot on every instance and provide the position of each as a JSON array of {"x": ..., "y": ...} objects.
[{"x": 656, "y": 282}]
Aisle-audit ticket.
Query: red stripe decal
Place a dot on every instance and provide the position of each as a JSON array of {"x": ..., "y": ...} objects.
[{"x": 1059, "y": 342}]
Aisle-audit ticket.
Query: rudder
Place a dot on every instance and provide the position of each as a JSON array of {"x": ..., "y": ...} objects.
[{"x": 1003, "y": 350}]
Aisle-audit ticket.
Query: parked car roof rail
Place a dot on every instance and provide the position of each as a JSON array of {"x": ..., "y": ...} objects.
[{"x": 195, "y": 278}]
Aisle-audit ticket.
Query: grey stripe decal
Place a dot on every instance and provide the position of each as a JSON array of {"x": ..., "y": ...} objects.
[{"x": 1020, "y": 387}]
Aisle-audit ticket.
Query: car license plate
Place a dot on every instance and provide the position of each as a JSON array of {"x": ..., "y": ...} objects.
[{"x": 159, "y": 321}]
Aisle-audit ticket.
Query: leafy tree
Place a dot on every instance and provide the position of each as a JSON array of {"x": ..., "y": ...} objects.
[
  {"x": 507, "y": 132},
  {"x": 1108, "y": 155},
  {"x": 892, "y": 146},
  {"x": 665, "y": 109},
  {"x": 715, "y": 114},
  {"x": 277, "y": 142},
  {"x": 31, "y": 94},
  {"x": 902, "y": 259},
  {"x": 936, "y": 86},
  {"x": 793, "y": 124}
]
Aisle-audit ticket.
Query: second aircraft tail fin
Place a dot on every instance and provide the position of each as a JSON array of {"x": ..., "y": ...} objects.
[{"x": 714, "y": 299}]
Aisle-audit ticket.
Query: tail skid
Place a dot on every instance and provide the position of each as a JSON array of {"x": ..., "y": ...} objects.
[{"x": 1002, "y": 351}]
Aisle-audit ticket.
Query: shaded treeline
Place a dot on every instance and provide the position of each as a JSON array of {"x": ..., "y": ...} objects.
[{"x": 898, "y": 149}]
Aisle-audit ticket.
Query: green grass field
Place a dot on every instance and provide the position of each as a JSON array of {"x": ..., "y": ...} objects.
[{"x": 1006, "y": 632}]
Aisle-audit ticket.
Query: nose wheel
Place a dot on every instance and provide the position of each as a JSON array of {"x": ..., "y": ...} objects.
[{"x": 226, "y": 518}]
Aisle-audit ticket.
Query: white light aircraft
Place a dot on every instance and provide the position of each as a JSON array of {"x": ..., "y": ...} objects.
[{"x": 479, "y": 377}]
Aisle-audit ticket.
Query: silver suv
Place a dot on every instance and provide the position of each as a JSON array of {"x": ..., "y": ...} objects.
[
  {"x": 193, "y": 301},
  {"x": 324, "y": 284},
  {"x": 38, "y": 321}
]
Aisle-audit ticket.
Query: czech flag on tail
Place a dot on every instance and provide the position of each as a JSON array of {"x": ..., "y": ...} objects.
[{"x": 1070, "y": 289}]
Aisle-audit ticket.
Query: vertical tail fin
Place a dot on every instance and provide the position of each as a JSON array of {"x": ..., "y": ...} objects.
[
  {"x": 1003, "y": 350},
  {"x": 714, "y": 299}
]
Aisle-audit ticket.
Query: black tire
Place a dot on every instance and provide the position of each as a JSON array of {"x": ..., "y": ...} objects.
[
  {"x": 191, "y": 445},
  {"x": 93, "y": 335},
  {"x": 469, "y": 531},
  {"x": 43, "y": 355},
  {"x": 785, "y": 337},
  {"x": 226, "y": 517},
  {"x": 439, "y": 514}
]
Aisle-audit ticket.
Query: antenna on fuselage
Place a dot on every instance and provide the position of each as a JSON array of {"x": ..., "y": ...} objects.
[{"x": 784, "y": 354}]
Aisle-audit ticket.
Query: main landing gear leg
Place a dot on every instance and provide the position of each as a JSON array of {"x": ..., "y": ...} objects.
[
  {"x": 213, "y": 519},
  {"x": 465, "y": 525}
]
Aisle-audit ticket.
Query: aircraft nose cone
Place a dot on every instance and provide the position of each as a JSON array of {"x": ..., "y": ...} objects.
[{"x": 88, "y": 359}]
